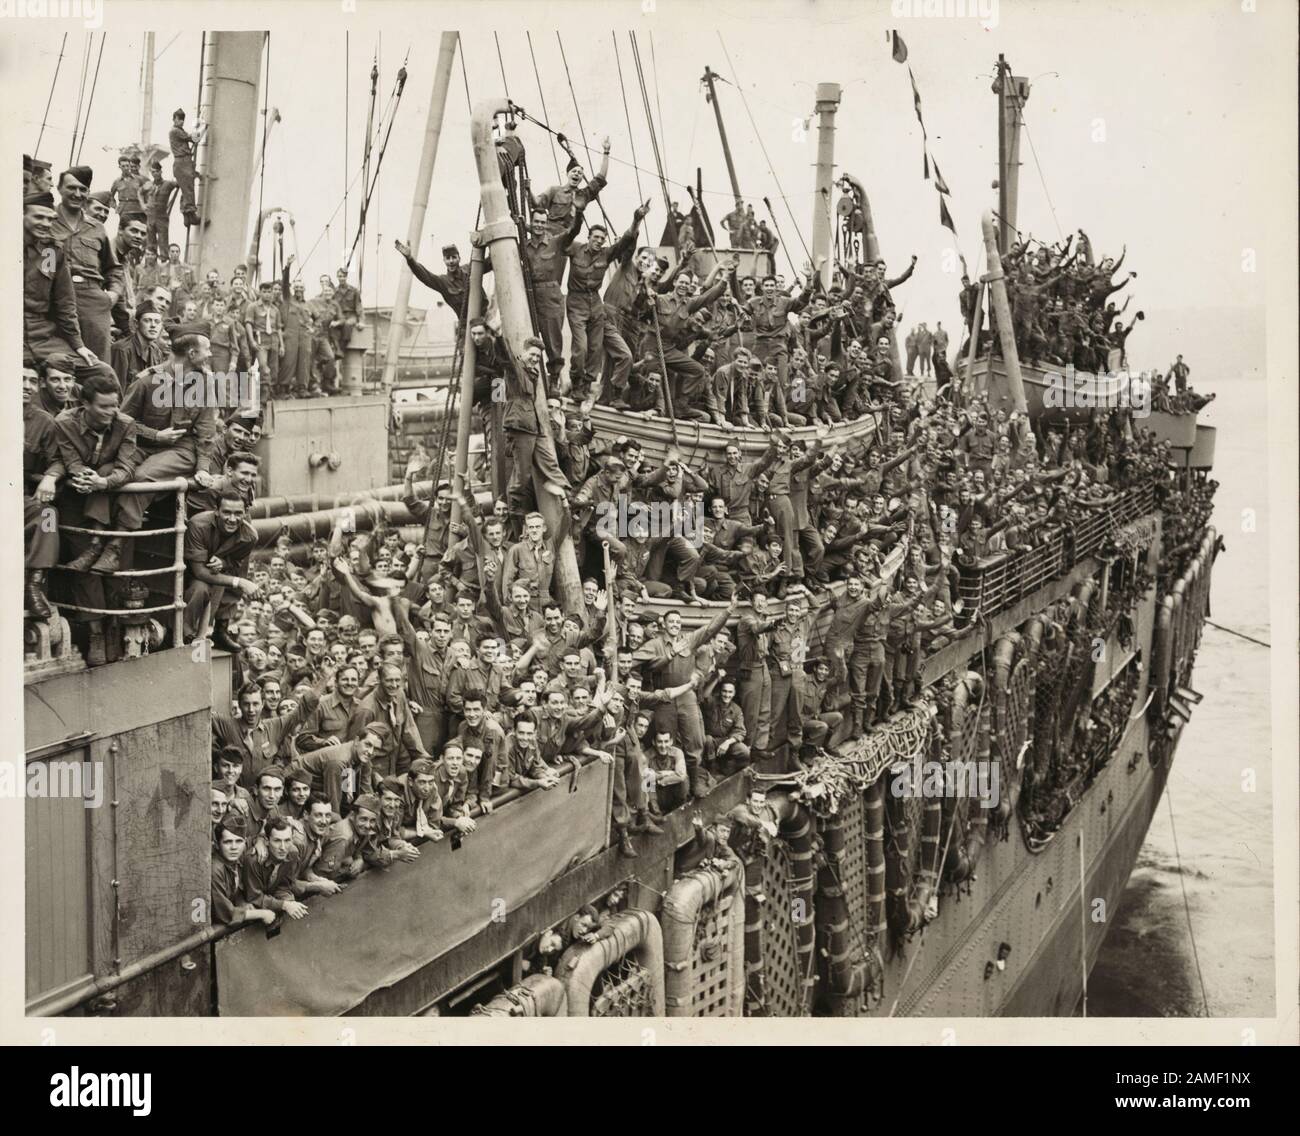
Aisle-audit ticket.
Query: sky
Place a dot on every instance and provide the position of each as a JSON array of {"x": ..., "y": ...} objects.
[{"x": 1150, "y": 125}]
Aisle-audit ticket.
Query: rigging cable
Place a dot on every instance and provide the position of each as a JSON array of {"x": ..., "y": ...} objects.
[
  {"x": 650, "y": 123},
  {"x": 383, "y": 148},
  {"x": 770, "y": 168},
  {"x": 90, "y": 102},
  {"x": 1182, "y": 880},
  {"x": 1047, "y": 193},
  {"x": 501, "y": 63},
  {"x": 45, "y": 117},
  {"x": 266, "y": 95},
  {"x": 347, "y": 36},
  {"x": 81, "y": 91},
  {"x": 654, "y": 67},
  {"x": 537, "y": 75},
  {"x": 636, "y": 170},
  {"x": 591, "y": 167}
]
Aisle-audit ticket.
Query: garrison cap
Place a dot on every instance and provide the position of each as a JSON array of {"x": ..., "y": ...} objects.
[
  {"x": 234, "y": 824},
  {"x": 38, "y": 198},
  {"x": 422, "y": 767},
  {"x": 367, "y": 802},
  {"x": 447, "y": 249},
  {"x": 84, "y": 174},
  {"x": 198, "y": 327}
]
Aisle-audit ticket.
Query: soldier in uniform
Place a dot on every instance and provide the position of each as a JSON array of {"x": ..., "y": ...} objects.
[
  {"x": 348, "y": 300},
  {"x": 229, "y": 339},
  {"x": 264, "y": 327},
  {"x": 182, "y": 145},
  {"x": 142, "y": 349},
  {"x": 159, "y": 195},
  {"x": 670, "y": 657},
  {"x": 298, "y": 321},
  {"x": 530, "y": 448},
  {"x": 452, "y": 285},
  {"x": 543, "y": 254},
  {"x": 97, "y": 446},
  {"x": 96, "y": 274},
  {"x": 41, "y": 472},
  {"x": 176, "y": 423},
  {"x": 563, "y": 204},
  {"x": 588, "y": 261},
  {"x": 50, "y": 325}
]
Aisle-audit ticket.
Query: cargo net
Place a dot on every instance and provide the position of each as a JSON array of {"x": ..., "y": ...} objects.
[
  {"x": 963, "y": 750},
  {"x": 1014, "y": 729},
  {"x": 712, "y": 973},
  {"x": 783, "y": 983},
  {"x": 623, "y": 990},
  {"x": 852, "y": 866}
]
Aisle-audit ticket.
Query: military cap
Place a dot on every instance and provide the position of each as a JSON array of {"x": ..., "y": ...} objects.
[
  {"x": 422, "y": 767},
  {"x": 102, "y": 196},
  {"x": 234, "y": 823},
  {"x": 392, "y": 785},
  {"x": 179, "y": 112},
  {"x": 450, "y": 249},
  {"x": 145, "y": 308},
  {"x": 297, "y": 777},
  {"x": 36, "y": 197},
  {"x": 572, "y": 164},
  {"x": 198, "y": 327},
  {"x": 380, "y": 730},
  {"x": 369, "y": 802},
  {"x": 84, "y": 174}
]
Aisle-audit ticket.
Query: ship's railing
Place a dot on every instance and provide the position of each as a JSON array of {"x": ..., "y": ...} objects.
[
  {"x": 176, "y": 569},
  {"x": 1001, "y": 580}
]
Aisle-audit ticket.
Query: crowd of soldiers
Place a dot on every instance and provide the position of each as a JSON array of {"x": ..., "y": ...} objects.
[
  {"x": 1061, "y": 306},
  {"x": 389, "y": 691}
]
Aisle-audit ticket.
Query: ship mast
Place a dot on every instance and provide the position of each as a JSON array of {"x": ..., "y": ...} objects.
[
  {"x": 146, "y": 91},
  {"x": 1012, "y": 92},
  {"x": 712, "y": 97},
  {"x": 419, "y": 205},
  {"x": 828, "y": 102},
  {"x": 499, "y": 238},
  {"x": 232, "y": 69}
]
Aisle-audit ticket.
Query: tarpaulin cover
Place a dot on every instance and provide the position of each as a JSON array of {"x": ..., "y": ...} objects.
[{"x": 392, "y": 921}]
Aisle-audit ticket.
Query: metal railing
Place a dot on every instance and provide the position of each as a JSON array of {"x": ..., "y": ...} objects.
[
  {"x": 176, "y": 569},
  {"x": 999, "y": 581}
]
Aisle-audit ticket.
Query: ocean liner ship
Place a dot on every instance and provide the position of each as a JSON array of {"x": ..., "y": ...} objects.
[{"x": 778, "y": 895}]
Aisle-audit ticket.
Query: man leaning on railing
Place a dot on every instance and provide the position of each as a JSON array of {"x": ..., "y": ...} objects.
[{"x": 97, "y": 445}]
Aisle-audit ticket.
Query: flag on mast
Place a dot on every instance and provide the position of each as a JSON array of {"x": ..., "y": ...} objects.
[{"x": 900, "y": 48}]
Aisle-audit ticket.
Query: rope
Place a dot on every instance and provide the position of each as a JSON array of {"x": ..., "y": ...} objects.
[
  {"x": 90, "y": 102},
  {"x": 57, "y": 64},
  {"x": 663, "y": 363},
  {"x": 1187, "y": 908},
  {"x": 81, "y": 91},
  {"x": 266, "y": 95},
  {"x": 654, "y": 67},
  {"x": 537, "y": 75},
  {"x": 1020, "y": 106},
  {"x": 1239, "y": 634},
  {"x": 627, "y": 116},
  {"x": 347, "y": 36},
  {"x": 770, "y": 168},
  {"x": 650, "y": 122},
  {"x": 395, "y": 100},
  {"x": 581, "y": 129},
  {"x": 502, "y": 64}
]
